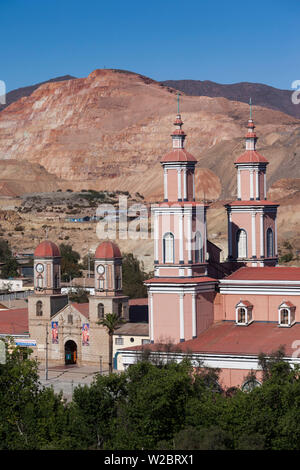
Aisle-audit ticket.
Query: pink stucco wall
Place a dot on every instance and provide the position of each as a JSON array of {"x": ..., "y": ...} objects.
[
  {"x": 166, "y": 318},
  {"x": 172, "y": 185},
  {"x": 265, "y": 307},
  {"x": 205, "y": 311},
  {"x": 235, "y": 377}
]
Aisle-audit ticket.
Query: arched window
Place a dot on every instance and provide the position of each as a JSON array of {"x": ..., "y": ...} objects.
[
  {"x": 120, "y": 309},
  {"x": 56, "y": 281},
  {"x": 243, "y": 312},
  {"x": 250, "y": 385},
  {"x": 39, "y": 308},
  {"x": 241, "y": 315},
  {"x": 286, "y": 313},
  {"x": 100, "y": 311},
  {"x": 270, "y": 243},
  {"x": 118, "y": 283},
  {"x": 241, "y": 243},
  {"x": 101, "y": 283},
  {"x": 198, "y": 248},
  {"x": 39, "y": 281},
  {"x": 284, "y": 316},
  {"x": 168, "y": 248}
]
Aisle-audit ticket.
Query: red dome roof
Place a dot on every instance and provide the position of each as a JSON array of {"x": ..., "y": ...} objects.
[
  {"x": 46, "y": 249},
  {"x": 251, "y": 156},
  {"x": 178, "y": 155},
  {"x": 107, "y": 250}
]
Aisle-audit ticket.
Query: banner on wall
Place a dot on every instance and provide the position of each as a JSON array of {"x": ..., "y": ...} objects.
[
  {"x": 54, "y": 325},
  {"x": 85, "y": 334}
]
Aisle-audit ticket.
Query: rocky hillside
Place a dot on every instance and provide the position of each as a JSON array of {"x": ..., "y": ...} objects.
[
  {"x": 15, "y": 95},
  {"x": 110, "y": 130},
  {"x": 262, "y": 95}
]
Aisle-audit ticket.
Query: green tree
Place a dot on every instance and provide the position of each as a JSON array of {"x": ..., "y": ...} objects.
[
  {"x": 5, "y": 251},
  {"x": 88, "y": 262},
  {"x": 155, "y": 405},
  {"x": 31, "y": 416},
  {"x": 81, "y": 296},
  {"x": 94, "y": 408},
  {"x": 70, "y": 267},
  {"x": 110, "y": 322},
  {"x": 10, "y": 267}
]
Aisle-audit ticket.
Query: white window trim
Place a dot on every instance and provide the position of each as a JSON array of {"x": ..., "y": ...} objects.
[
  {"x": 290, "y": 323},
  {"x": 248, "y": 314},
  {"x": 164, "y": 250}
]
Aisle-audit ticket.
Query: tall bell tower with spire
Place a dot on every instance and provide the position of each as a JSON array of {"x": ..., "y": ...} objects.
[
  {"x": 180, "y": 287},
  {"x": 252, "y": 227}
]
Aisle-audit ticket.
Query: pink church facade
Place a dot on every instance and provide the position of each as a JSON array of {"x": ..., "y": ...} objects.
[{"x": 224, "y": 314}]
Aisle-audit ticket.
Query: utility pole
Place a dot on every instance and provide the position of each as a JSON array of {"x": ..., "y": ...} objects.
[
  {"x": 89, "y": 263},
  {"x": 101, "y": 365},
  {"x": 46, "y": 364}
]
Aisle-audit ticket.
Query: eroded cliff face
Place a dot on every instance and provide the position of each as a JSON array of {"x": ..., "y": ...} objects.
[{"x": 110, "y": 130}]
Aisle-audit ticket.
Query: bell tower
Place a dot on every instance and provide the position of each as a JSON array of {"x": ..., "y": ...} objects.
[
  {"x": 47, "y": 299},
  {"x": 180, "y": 295},
  {"x": 108, "y": 296},
  {"x": 252, "y": 226}
]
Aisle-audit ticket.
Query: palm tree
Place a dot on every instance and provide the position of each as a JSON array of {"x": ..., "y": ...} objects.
[{"x": 110, "y": 322}]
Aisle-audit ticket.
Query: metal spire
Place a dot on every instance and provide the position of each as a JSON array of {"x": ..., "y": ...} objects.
[
  {"x": 178, "y": 94},
  {"x": 250, "y": 104}
]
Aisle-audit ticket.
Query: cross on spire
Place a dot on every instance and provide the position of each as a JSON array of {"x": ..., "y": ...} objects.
[{"x": 178, "y": 94}]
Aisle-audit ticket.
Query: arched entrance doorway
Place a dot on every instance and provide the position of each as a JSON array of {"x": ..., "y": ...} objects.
[{"x": 70, "y": 352}]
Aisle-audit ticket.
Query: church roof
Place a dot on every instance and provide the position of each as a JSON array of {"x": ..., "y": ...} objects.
[
  {"x": 14, "y": 321},
  {"x": 82, "y": 308},
  {"x": 227, "y": 338},
  {"x": 178, "y": 155},
  {"x": 179, "y": 280},
  {"x": 46, "y": 249},
  {"x": 260, "y": 202},
  {"x": 267, "y": 273},
  {"x": 251, "y": 156},
  {"x": 108, "y": 250}
]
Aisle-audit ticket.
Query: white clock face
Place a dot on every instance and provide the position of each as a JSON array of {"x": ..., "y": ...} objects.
[
  {"x": 100, "y": 269},
  {"x": 39, "y": 268}
]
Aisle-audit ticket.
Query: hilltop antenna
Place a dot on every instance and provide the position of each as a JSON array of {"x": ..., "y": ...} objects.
[{"x": 178, "y": 94}]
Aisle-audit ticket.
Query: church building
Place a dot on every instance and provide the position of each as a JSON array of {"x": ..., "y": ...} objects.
[
  {"x": 222, "y": 314},
  {"x": 72, "y": 330}
]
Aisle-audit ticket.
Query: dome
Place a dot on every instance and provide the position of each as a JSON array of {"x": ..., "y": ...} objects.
[
  {"x": 107, "y": 250},
  {"x": 178, "y": 155},
  {"x": 46, "y": 249},
  {"x": 251, "y": 156}
]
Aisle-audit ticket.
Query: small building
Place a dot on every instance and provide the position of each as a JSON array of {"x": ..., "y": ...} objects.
[{"x": 129, "y": 334}]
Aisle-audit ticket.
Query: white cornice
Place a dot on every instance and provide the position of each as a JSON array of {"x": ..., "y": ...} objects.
[{"x": 222, "y": 361}]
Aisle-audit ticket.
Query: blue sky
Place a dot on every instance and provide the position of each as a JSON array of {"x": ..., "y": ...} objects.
[{"x": 226, "y": 42}]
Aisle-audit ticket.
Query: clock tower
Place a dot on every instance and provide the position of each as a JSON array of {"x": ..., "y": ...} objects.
[
  {"x": 47, "y": 299},
  {"x": 108, "y": 296}
]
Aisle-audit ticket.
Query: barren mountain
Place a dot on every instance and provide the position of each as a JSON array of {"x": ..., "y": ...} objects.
[
  {"x": 262, "y": 95},
  {"x": 15, "y": 95},
  {"x": 110, "y": 130}
]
